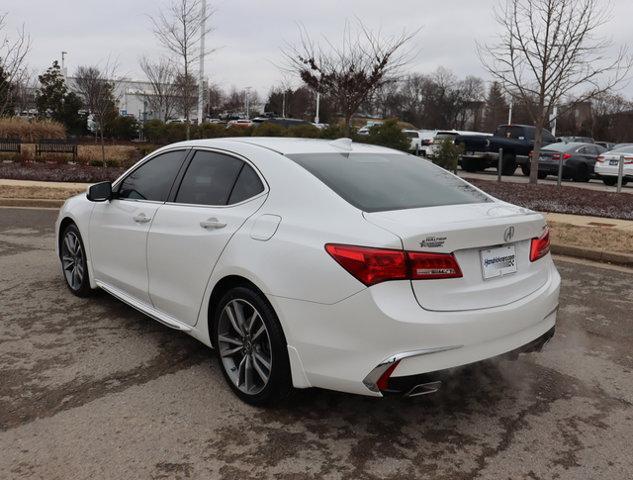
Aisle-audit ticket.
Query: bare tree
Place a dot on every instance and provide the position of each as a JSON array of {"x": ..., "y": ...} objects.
[
  {"x": 351, "y": 71},
  {"x": 13, "y": 71},
  {"x": 550, "y": 49},
  {"x": 178, "y": 29},
  {"x": 97, "y": 89},
  {"x": 161, "y": 76}
]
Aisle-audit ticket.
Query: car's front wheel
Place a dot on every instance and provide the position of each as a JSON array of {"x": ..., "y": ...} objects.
[
  {"x": 251, "y": 347},
  {"x": 73, "y": 258}
]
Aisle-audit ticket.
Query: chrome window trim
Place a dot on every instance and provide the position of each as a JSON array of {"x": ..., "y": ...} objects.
[{"x": 143, "y": 161}]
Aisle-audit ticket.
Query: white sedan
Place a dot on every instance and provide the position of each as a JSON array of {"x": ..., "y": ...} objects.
[
  {"x": 608, "y": 165},
  {"x": 315, "y": 263}
]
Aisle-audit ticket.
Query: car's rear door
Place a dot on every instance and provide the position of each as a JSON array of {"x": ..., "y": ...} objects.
[
  {"x": 216, "y": 195},
  {"x": 119, "y": 227}
]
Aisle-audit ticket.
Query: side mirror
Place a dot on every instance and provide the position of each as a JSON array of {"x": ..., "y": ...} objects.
[{"x": 100, "y": 192}]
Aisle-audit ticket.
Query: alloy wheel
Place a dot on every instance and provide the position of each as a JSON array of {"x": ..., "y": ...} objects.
[
  {"x": 244, "y": 346},
  {"x": 73, "y": 260}
]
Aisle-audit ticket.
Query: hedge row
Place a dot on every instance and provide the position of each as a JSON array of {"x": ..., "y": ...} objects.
[{"x": 388, "y": 134}]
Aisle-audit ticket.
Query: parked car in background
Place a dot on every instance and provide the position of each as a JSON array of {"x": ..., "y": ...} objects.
[
  {"x": 608, "y": 165},
  {"x": 441, "y": 135},
  {"x": 365, "y": 129},
  {"x": 607, "y": 145},
  {"x": 287, "y": 122},
  {"x": 314, "y": 263},
  {"x": 426, "y": 140},
  {"x": 241, "y": 123},
  {"x": 575, "y": 139},
  {"x": 517, "y": 141},
  {"x": 415, "y": 137},
  {"x": 578, "y": 160}
]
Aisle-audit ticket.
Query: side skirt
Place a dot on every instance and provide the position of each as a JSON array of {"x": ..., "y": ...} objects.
[{"x": 142, "y": 307}]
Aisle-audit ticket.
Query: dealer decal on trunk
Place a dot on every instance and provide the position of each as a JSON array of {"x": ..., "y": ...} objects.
[{"x": 433, "y": 242}]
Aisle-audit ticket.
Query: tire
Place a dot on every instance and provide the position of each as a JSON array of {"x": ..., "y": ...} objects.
[
  {"x": 471, "y": 165},
  {"x": 525, "y": 170},
  {"x": 541, "y": 175},
  {"x": 582, "y": 173},
  {"x": 252, "y": 349},
  {"x": 610, "y": 181},
  {"x": 509, "y": 164},
  {"x": 73, "y": 261}
]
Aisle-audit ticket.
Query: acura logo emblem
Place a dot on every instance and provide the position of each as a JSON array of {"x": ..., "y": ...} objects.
[{"x": 508, "y": 234}]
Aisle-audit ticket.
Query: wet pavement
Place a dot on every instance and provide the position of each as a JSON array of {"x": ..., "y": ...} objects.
[{"x": 90, "y": 388}]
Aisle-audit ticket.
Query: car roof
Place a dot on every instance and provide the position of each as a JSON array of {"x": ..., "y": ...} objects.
[{"x": 289, "y": 146}]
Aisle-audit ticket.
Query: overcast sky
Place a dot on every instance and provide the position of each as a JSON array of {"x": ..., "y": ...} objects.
[{"x": 249, "y": 33}]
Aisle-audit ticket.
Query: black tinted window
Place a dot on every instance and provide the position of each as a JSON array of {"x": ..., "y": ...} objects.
[
  {"x": 248, "y": 185},
  {"x": 153, "y": 179},
  {"x": 381, "y": 182},
  {"x": 209, "y": 179}
]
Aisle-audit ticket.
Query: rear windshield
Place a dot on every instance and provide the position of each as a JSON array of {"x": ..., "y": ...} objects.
[{"x": 383, "y": 182}]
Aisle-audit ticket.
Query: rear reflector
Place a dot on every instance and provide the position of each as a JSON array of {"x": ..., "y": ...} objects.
[
  {"x": 374, "y": 265},
  {"x": 540, "y": 246},
  {"x": 383, "y": 381}
]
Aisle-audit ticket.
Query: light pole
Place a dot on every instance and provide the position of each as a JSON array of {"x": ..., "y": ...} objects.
[
  {"x": 64, "y": 63},
  {"x": 247, "y": 94},
  {"x": 318, "y": 102},
  {"x": 203, "y": 15}
]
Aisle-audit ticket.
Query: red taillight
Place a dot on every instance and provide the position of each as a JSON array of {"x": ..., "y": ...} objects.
[
  {"x": 374, "y": 265},
  {"x": 370, "y": 265},
  {"x": 539, "y": 246},
  {"x": 427, "y": 266},
  {"x": 556, "y": 156},
  {"x": 600, "y": 159},
  {"x": 628, "y": 160},
  {"x": 566, "y": 156}
]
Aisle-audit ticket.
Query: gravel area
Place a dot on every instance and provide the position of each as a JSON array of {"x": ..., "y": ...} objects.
[{"x": 566, "y": 199}]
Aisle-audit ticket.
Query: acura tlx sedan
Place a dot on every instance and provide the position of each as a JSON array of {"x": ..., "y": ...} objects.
[{"x": 315, "y": 263}]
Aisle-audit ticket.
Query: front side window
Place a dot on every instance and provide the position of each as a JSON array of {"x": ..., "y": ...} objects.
[
  {"x": 382, "y": 182},
  {"x": 153, "y": 179},
  {"x": 210, "y": 179}
]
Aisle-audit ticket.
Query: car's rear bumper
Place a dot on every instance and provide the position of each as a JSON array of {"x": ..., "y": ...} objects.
[
  {"x": 612, "y": 170},
  {"x": 338, "y": 346},
  {"x": 406, "y": 385}
]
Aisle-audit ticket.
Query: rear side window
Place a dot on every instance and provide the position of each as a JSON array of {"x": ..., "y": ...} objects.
[
  {"x": 209, "y": 179},
  {"x": 247, "y": 185},
  {"x": 382, "y": 182},
  {"x": 153, "y": 179}
]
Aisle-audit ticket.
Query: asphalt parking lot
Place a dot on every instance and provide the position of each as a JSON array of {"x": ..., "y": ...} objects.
[{"x": 93, "y": 389}]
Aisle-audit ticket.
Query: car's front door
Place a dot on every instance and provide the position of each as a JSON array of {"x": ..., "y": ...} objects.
[
  {"x": 218, "y": 192},
  {"x": 119, "y": 227}
]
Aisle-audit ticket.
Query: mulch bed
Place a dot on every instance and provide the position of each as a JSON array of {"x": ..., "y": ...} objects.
[
  {"x": 566, "y": 199},
  {"x": 50, "y": 172}
]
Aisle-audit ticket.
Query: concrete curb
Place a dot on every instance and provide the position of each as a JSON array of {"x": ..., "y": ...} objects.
[
  {"x": 30, "y": 202},
  {"x": 595, "y": 255}
]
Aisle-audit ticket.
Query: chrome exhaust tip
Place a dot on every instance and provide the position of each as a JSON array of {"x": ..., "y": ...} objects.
[{"x": 424, "y": 389}]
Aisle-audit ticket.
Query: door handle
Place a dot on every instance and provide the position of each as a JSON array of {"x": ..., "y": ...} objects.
[
  {"x": 212, "y": 223},
  {"x": 141, "y": 218}
]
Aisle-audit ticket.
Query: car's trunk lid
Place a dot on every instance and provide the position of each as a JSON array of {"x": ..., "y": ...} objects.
[{"x": 470, "y": 231}]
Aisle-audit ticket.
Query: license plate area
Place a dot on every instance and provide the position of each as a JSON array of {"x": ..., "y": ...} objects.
[
  {"x": 614, "y": 162},
  {"x": 498, "y": 261}
]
